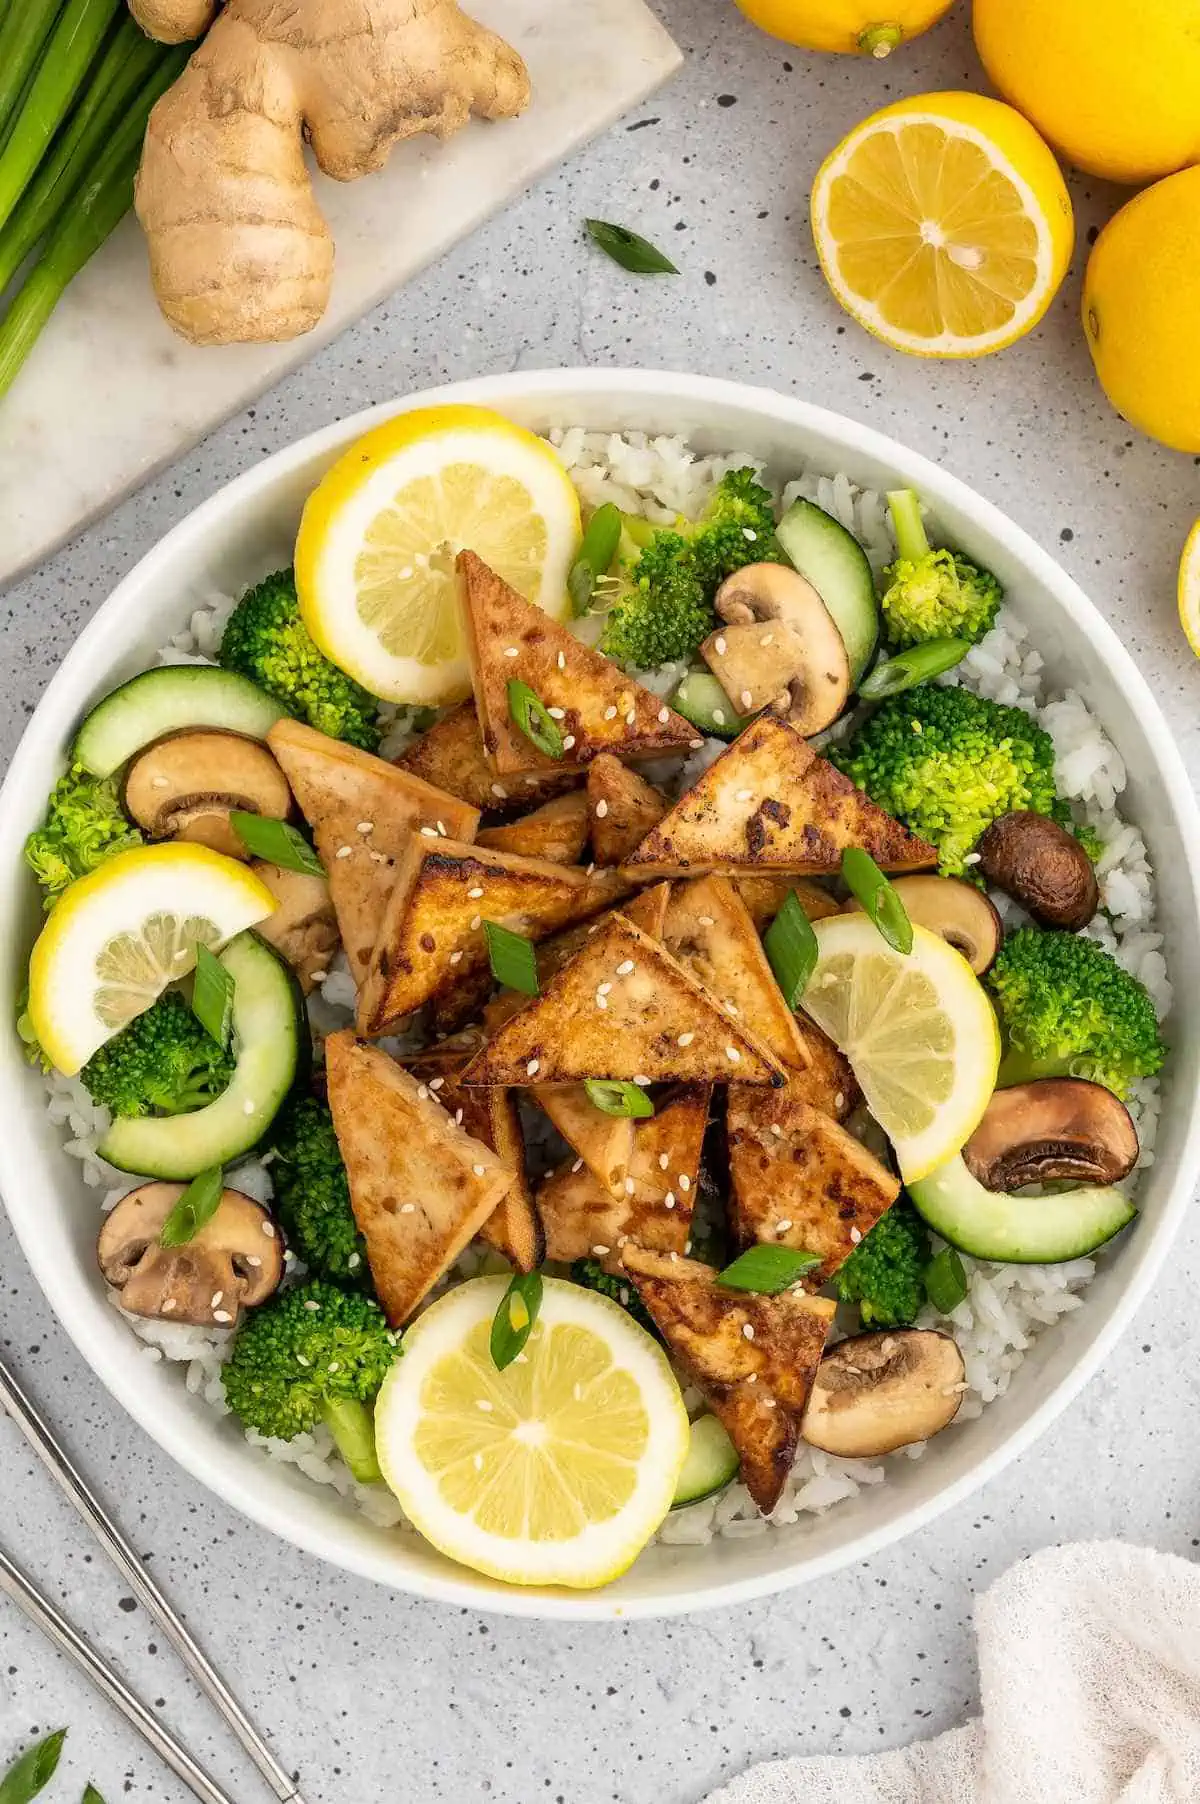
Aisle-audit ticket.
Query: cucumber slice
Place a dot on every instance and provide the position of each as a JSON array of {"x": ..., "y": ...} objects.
[
  {"x": 702, "y": 700},
  {"x": 271, "y": 1033},
  {"x": 711, "y": 1463},
  {"x": 1015, "y": 1229},
  {"x": 836, "y": 565},
  {"x": 166, "y": 701}
]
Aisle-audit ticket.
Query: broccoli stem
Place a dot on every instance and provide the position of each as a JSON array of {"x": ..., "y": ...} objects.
[
  {"x": 352, "y": 1425},
  {"x": 912, "y": 541},
  {"x": 68, "y": 56}
]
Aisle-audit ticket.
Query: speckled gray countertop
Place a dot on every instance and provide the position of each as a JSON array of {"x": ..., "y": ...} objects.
[{"x": 377, "y": 1698}]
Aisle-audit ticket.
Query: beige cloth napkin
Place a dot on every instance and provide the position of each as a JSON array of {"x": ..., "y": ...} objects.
[{"x": 1089, "y": 1660}]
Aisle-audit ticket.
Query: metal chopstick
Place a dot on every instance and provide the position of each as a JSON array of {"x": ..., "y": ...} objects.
[
  {"x": 75, "y": 1488},
  {"x": 56, "y": 1627}
]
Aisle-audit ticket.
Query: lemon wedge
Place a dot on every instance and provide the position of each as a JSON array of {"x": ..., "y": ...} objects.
[
  {"x": 1189, "y": 588},
  {"x": 120, "y": 935},
  {"x": 380, "y": 533},
  {"x": 943, "y": 224},
  {"x": 555, "y": 1471},
  {"x": 918, "y": 1030}
]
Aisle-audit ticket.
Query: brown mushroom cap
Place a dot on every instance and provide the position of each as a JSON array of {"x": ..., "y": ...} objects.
[
  {"x": 960, "y": 912},
  {"x": 781, "y": 649},
  {"x": 1053, "y": 1129},
  {"x": 877, "y": 1392},
  {"x": 234, "y": 1262},
  {"x": 303, "y": 928},
  {"x": 184, "y": 786},
  {"x": 1041, "y": 866}
]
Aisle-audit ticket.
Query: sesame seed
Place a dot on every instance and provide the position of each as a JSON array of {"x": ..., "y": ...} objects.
[
  {"x": 479, "y": 1170},
  {"x": 378, "y": 857},
  {"x": 511, "y": 651},
  {"x": 685, "y": 1183},
  {"x": 731, "y": 1006},
  {"x": 600, "y": 1251},
  {"x": 733, "y": 1055},
  {"x": 310, "y": 1303},
  {"x": 557, "y": 713},
  {"x": 254, "y": 1260},
  {"x": 408, "y": 1208},
  {"x": 222, "y": 1315},
  {"x": 476, "y": 923},
  {"x": 436, "y": 1083},
  {"x": 669, "y": 1200},
  {"x": 706, "y": 920},
  {"x": 747, "y": 697},
  {"x": 777, "y": 1130},
  {"x": 160, "y": 782},
  {"x": 856, "y": 1235},
  {"x": 366, "y": 827},
  {"x": 625, "y": 968},
  {"x": 769, "y": 1403},
  {"x": 562, "y": 660},
  {"x": 601, "y": 1000},
  {"x": 839, "y": 1101},
  {"x": 578, "y": 1166},
  {"x": 767, "y": 639},
  {"x": 422, "y": 1092},
  {"x": 169, "y": 1305},
  {"x": 483, "y": 1404},
  {"x": 601, "y": 809},
  {"x": 638, "y": 1078},
  {"x": 719, "y": 716},
  {"x": 301, "y": 1361},
  {"x": 751, "y": 1377},
  {"x": 458, "y": 1121},
  {"x": 352, "y": 1264},
  {"x": 630, "y": 1186},
  {"x": 664, "y": 715},
  {"x": 429, "y": 832},
  {"x": 781, "y": 1227},
  {"x": 268, "y": 1229},
  {"x": 720, "y": 647},
  {"x": 610, "y": 713},
  {"x": 972, "y": 857},
  {"x": 749, "y": 533},
  {"x": 318, "y": 976},
  {"x": 533, "y": 1067},
  {"x": 696, "y": 745},
  {"x": 664, "y": 1159},
  {"x": 685, "y": 1039},
  {"x": 498, "y": 789},
  {"x": 744, "y": 795},
  {"x": 342, "y": 852},
  {"x": 475, "y": 891},
  {"x": 441, "y": 827},
  {"x": 631, "y": 718},
  {"x": 455, "y": 957},
  {"x": 604, "y": 989},
  {"x": 568, "y": 742},
  {"x": 748, "y": 1330}
]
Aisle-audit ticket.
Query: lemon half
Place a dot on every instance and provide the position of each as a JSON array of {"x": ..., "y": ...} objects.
[{"x": 1189, "y": 588}]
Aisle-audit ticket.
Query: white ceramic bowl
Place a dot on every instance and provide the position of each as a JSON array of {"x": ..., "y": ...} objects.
[{"x": 250, "y": 525}]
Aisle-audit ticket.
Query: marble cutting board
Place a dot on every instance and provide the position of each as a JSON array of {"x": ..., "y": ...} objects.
[{"x": 110, "y": 394}]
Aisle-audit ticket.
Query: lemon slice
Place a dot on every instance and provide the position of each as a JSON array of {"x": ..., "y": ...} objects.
[
  {"x": 120, "y": 935},
  {"x": 1189, "y": 588},
  {"x": 918, "y": 1030},
  {"x": 379, "y": 536},
  {"x": 556, "y": 1471},
  {"x": 943, "y": 225}
]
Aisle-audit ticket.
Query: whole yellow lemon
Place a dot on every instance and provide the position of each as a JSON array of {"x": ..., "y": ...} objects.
[
  {"x": 855, "y": 27},
  {"x": 1113, "y": 84},
  {"x": 1141, "y": 310}
]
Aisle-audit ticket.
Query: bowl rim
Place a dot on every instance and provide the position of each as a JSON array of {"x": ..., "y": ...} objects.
[{"x": 662, "y": 388}]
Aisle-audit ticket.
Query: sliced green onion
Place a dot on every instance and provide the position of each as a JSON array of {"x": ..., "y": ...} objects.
[
  {"x": 32, "y": 1773},
  {"x": 867, "y": 883},
  {"x": 791, "y": 948},
  {"x": 513, "y": 1321},
  {"x": 512, "y": 958},
  {"x": 629, "y": 249},
  {"x": 596, "y": 554},
  {"x": 275, "y": 841},
  {"x": 613, "y": 1097},
  {"x": 195, "y": 1208},
  {"x": 78, "y": 34},
  {"x": 768, "y": 1269},
  {"x": 533, "y": 719},
  {"x": 91, "y": 1795},
  {"x": 945, "y": 1280},
  {"x": 916, "y": 665},
  {"x": 212, "y": 996}
]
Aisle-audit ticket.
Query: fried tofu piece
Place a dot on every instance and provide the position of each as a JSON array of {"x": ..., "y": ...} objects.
[
  {"x": 602, "y": 709},
  {"x": 558, "y": 830},
  {"x": 755, "y": 1357},
  {"x": 709, "y": 930},
  {"x": 648, "y": 909},
  {"x": 603, "y": 1142},
  {"x": 765, "y": 896},
  {"x": 421, "y": 1187},
  {"x": 827, "y": 1083},
  {"x": 652, "y": 1207},
  {"x": 799, "y": 1180},
  {"x": 451, "y": 757},
  {"x": 303, "y": 929},
  {"x": 623, "y": 808},
  {"x": 621, "y": 1008},
  {"x": 363, "y": 812},
  {"x": 770, "y": 805}
]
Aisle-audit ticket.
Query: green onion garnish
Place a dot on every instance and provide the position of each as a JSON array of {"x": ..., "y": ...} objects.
[
  {"x": 264, "y": 837},
  {"x": 532, "y": 717},
  {"x": 513, "y": 1321},
  {"x": 195, "y": 1208},
  {"x": 629, "y": 249},
  {"x": 32, "y": 1773},
  {"x": 768, "y": 1269},
  {"x": 916, "y": 665},
  {"x": 212, "y": 996},
  {"x": 945, "y": 1280},
  {"x": 618, "y": 1098},
  {"x": 512, "y": 958},
  {"x": 791, "y": 947},
  {"x": 596, "y": 554},
  {"x": 867, "y": 883}
]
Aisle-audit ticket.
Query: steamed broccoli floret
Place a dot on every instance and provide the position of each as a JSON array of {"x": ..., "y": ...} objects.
[
  {"x": 885, "y": 1274},
  {"x": 737, "y": 527},
  {"x": 313, "y": 1196},
  {"x": 1067, "y": 1008},
  {"x": 310, "y": 1355},
  {"x": 267, "y": 641},
  {"x": 948, "y": 763},
  {"x": 84, "y": 825},
  {"x": 592, "y": 1275},
  {"x": 163, "y": 1063},
  {"x": 932, "y": 594}
]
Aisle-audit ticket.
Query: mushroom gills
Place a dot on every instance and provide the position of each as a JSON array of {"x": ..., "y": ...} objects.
[
  {"x": 1051, "y": 1130},
  {"x": 877, "y": 1392},
  {"x": 1041, "y": 866},
  {"x": 234, "y": 1262},
  {"x": 780, "y": 648},
  {"x": 186, "y": 786}
]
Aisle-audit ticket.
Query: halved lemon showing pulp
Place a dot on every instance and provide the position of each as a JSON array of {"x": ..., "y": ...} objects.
[
  {"x": 380, "y": 533},
  {"x": 555, "y": 1471}
]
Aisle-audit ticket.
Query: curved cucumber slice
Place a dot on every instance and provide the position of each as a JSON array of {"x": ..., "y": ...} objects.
[
  {"x": 166, "y": 701},
  {"x": 836, "y": 566},
  {"x": 701, "y": 699},
  {"x": 271, "y": 1033},
  {"x": 711, "y": 1463},
  {"x": 1014, "y": 1229}
]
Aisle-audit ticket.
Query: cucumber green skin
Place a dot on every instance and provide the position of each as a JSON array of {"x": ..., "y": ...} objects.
[
  {"x": 271, "y": 1028},
  {"x": 169, "y": 700},
  {"x": 836, "y": 565},
  {"x": 698, "y": 694},
  {"x": 711, "y": 1464},
  {"x": 1014, "y": 1229}
]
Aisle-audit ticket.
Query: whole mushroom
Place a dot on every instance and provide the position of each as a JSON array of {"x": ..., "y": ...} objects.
[
  {"x": 186, "y": 786},
  {"x": 780, "y": 648},
  {"x": 1051, "y": 1130},
  {"x": 876, "y": 1392},
  {"x": 233, "y": 1262},
  {"x": 1041, "y": 866}
]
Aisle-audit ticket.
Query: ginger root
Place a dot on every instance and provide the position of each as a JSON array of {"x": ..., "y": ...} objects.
[{"x": 239, "y": 250}]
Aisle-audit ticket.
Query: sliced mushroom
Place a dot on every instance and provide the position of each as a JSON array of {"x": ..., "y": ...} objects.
[
  {"x": 233, "y": 1263},
  {"x": 958, "y": 911},
  {"x": 780, "y": 649},
  {"x": 877, "y": 1392},
  {"x": 303, "y": 928},
  {"x": 184, "y": 787},
  {"x": 1053, "y": 1129},
  {"x": 1041, "y": 866}
]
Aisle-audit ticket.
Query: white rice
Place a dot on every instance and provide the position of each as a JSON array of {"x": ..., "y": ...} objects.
[{"x": 1007, "y": 1307}]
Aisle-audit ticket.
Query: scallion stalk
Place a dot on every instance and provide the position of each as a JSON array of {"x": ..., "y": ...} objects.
[
  {"x": 24, "y": 33},
  {"x": 69, "y": 54}
]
